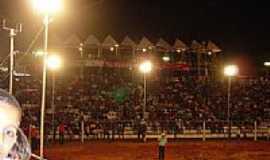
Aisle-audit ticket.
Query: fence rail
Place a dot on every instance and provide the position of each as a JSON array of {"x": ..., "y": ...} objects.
[{"x": 184, "y": 129}]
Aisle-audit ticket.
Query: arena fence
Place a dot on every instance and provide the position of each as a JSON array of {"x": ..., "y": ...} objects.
[{"x": 175, "y": 130}]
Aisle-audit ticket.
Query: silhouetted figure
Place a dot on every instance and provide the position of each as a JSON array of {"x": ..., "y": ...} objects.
[
  {"x": 162, "y": 142},
  {"x": 61, "y": 133}
]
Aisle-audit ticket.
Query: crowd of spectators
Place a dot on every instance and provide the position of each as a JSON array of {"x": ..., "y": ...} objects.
[{"x": 107, "y": 99}]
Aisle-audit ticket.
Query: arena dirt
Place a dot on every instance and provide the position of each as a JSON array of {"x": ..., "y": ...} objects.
[{"x": 209, "y": 150}]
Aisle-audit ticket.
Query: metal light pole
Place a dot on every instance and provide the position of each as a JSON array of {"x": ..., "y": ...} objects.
[
  {"x": 53, "y": 103},
  {"x": 46, "y": 8},
  {"x": 229, "y": 106},
  {"x": 11, "y": 69},
  {"x": 144, "y": 94},
  {"x": 230, "y": 71},
  {"x": 82, "y": 60},
  {"x": 53, "y": 63},
  {"x": 44, "y": 77},
  {"x": 267, "y": 65},
  {"x": 116, "y": 49},
  {"x": 145, "y": 68},
  {"x": 12, "y": 33}
]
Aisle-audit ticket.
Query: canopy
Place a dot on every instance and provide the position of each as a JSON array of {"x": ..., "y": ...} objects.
[
  {"x": 109, "y": 41},
  {"x": 211, "y": 46},
  {"x": 180, "y": 45},
  {"x": 163, "y": 44},
  {"x": 145, "y": 43},
  {"x": 196, "y": 46},
  {"x": 92, "y": 40},
  {"x": 128, "y": 42}
]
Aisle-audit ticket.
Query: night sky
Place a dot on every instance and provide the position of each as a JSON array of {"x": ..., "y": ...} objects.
[{"x": 239, "y": 27}]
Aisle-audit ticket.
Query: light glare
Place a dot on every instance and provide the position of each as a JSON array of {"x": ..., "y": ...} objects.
[
  {"x": 145, "y": 67},
  {"x": 54, "y": 62},
  {"x": 39, "y": 53},
  {"x": 267, "y": 64},
  {"x": 231, "y": 70},
  {"x": 144, "y": 49},
  {"x": 47, "y": 6},
  {"x": 111, "y": 49},
  {"x": 166, "y": 59}
]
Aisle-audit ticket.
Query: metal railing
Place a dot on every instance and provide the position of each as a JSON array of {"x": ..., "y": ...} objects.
[{"x": 175, "y": 130}]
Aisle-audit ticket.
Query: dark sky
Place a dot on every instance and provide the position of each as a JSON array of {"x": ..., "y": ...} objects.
[{"x": 240, "y": 27}]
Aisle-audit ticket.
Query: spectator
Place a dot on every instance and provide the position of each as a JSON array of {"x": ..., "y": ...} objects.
[
  {"x": 162, "y": 142},
  {"x": 34, "y": 137},
  {"x": 13, "y": 144},
  {"x": 142, "y": 130},
  {"x": 172, "y": 105},
  {"x": 62, "y": 132}
]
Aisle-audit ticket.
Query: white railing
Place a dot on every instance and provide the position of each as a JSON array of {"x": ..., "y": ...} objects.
[{"x": 204, "y": 132}]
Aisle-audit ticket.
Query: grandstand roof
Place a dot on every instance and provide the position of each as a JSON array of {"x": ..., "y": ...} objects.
[
  {"x": 163, "y": 44},
  {"x": 92, "y": 40},
  {"x": 128, "y": 42},
  {"x": 178, "y": 44},
  {"x": 195, "y": 46},
  {"x": 109, "y": 41},
  {"x": 145, "y": 43},
  {"x": 211, "y": 46}
]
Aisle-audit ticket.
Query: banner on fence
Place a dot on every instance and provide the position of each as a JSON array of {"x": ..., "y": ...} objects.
[{"x": 118, "y": 64}]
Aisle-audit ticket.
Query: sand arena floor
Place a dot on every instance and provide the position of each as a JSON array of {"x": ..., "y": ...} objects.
[{"x": 186, "y": 150}]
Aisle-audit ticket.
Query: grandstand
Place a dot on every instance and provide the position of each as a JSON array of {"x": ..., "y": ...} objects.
[
  {"x": 99, "y": 93},
  {"x": 183, "y": 108}
]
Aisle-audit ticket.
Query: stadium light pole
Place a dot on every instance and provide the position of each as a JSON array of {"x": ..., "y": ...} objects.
[
  {"x": 54, "y": 63},
  {"x": 166, "y": 58},
  {"x": 46, "y": 8},
  {"x": 12, "y": 33},
  {"x": 267, "y": 65},
  {"x": 116, "y": 49},
  {"x": 230, "y": 71},
  {"x": 145, "y": 68},
  {"x": 81, "y": 50}
]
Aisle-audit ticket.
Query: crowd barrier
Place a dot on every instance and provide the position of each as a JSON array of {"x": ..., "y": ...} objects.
[{"x": 182, "y": 130}]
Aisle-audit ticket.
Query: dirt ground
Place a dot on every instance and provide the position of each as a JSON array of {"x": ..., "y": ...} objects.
[{"x": 187, "y": 150}]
